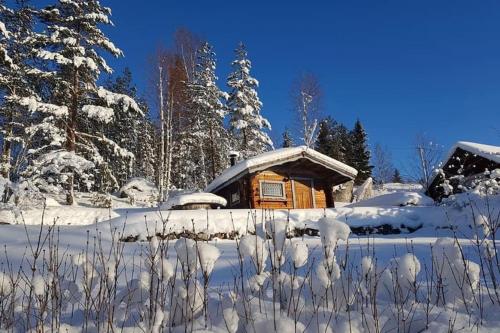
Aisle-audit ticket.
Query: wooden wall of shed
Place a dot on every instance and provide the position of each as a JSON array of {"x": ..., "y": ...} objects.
[
  {"x": 240, "y": 186},
  {"x": 322, "y": 195},
  {"x": 255, "y": 199}
]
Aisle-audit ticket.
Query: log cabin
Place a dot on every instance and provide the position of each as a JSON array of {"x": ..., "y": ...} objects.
[
  {"x": 287, "y": 178},
  {"x": 465, "y": 162}
]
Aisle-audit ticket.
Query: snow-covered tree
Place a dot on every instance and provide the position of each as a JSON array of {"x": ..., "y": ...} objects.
[
  {"x": 73, "y": 50},
  {"x": 246, "y": 122},
  {"x": 396, "y": 177},
  {"x": 333, "y": 139},
  {"x": 18, "y": 83},
  {"x": 205, "y": 131},
  {"x": 307, "y": 96},
  {"x": 132, "y": 131},
  {"x": 324, "y": 141}
]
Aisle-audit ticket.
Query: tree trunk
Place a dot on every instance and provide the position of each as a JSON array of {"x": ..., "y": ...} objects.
[
  {"x": 212, "y": 151},
  {"x": 161, "y": 169},
  {"x": 6, "y": 151},
  {"x": 168, "y": 164},
  {"x": 71, "y": 137}
]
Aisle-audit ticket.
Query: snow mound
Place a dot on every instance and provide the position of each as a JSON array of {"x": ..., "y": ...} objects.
[
  {"x": 139, "y": 189},
  {"x": 411, "y": 187},
  {"x": 194, "y": 198},
  {"x": 51, "y": 202},
  {"x": 396, "y": 199},
  {"x": 365, "y": 191}
]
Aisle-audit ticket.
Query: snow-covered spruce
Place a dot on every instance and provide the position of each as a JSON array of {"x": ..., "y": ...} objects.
[
  {"x": 247, "y": 123},
  {"x": 70, "y": 112}
]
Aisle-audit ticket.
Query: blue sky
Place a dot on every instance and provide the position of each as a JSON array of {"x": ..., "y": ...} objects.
[{"x": 401, "y": 67}]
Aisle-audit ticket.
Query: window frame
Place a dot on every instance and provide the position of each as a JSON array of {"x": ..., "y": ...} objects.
[
  {"x": 232, "y": 195},
  {"x": 267, "y": 197}
]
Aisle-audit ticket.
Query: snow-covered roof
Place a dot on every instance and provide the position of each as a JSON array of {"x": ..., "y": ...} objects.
[
  {"x": 491, "y": 153},
  {"x": 277, "y": 157},
  {"x": 194, "y": 198}
]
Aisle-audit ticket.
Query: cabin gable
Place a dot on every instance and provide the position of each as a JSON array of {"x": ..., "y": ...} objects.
[
  {"x": 461, "y": 163},
  {"x": 296, "y": 178}
]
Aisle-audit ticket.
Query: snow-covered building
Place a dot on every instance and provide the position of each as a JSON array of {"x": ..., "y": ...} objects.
[
  {"x": 465, "y": 163},
  {"x": 297, "y": 177}
]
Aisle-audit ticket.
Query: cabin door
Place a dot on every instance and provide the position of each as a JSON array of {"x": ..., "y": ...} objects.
[{"x": 303, "y": 193}]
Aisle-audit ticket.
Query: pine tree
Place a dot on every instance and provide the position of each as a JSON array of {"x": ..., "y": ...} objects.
[
  {"x": 396, "y": 178},
  {"x": 324, "y": 141},
  {"x": 341, "y": 143},
  {"x": 246, "y": 122},
  {"x": 204, "y": 131},
  {"x": 360, "y": 155},
  {"x": 333, "y": 139},
  {"x": 18, "y": 83},
  {"x": 287, "y": 139},
  {"x": 132, "y": 131},
  {"x": 74, "y": 43}
]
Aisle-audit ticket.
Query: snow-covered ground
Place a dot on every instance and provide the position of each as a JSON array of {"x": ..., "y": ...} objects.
[{"x": 439, "y": 278}]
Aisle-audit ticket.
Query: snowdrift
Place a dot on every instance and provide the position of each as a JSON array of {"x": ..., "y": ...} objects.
[{"x": 396, "y": 199}]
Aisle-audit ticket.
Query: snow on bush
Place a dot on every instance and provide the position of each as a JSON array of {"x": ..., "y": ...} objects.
[
  {"x": 231, "y": 319},
  {"x": 459, "y": 277},
  {"x": 255, "y": 248},
  {"x": 299, "y": 253},
  {"x": 5, "y": 285},
  {"x": 331, "y": 231},
  {"x": 187, "y": 254},
  {"x": 208, "y": 255}
]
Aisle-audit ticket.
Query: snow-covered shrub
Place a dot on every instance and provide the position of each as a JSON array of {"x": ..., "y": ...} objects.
[
  {"x": 331, "y": 231},
  {"x": 139, "y": 190},
  {"x": 231, "y": 319},
  {"x": 50, "y": 172},
  {"x": 5, "y": 285},
  {"x": 208, "y": 255},
  {"x": 255, "y": 248},
  {"x": 281, "y": 324},
  {"x": 458, "y": 277},
  {"x": 316, "y": 288},
  {"x": 187, "y": 254},
  {"x": 299, "y": 253},
  {"x": 4, "y": 187},
  {"x": 480, "y": 186},
  {"x": 188, "y": 301},
  {"x": 101, "y": 200}
]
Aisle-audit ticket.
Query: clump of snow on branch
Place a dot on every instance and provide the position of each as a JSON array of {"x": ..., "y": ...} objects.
[
  {"x": 99, "y": 113},
  {"x": 125, "y": 101},
  {"x": 33, "y": 105}
]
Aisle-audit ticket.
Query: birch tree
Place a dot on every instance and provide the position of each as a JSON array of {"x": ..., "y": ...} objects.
[{"x": 306, "y": 96}]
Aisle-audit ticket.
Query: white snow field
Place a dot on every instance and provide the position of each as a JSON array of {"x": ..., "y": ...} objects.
[{"x": 443, "y": 277}]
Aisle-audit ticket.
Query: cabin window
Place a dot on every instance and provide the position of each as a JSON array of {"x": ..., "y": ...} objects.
[
  {"x": 235, "y": 198},
  {"x": 274, "y": 190}
]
